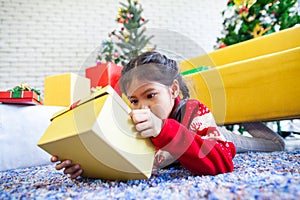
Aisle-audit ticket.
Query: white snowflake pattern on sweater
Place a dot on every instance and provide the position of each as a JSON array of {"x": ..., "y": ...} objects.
[{"x": 205, "y": 121}]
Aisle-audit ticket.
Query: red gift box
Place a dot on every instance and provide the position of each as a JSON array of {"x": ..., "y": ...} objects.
[
  {"x": 23, "y": 97},
  {"x": 104, "y": 74}
]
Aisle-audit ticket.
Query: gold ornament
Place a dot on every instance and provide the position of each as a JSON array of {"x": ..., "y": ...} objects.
[
  {"x": 259, "y": 30},
  {"x": 246, "y": 3},
  {"x": 250, "y": 3},
  {"x": 238, "y": 2}
]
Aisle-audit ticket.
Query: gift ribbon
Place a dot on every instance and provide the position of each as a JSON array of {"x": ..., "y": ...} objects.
[{"x": 17, "y": 92}]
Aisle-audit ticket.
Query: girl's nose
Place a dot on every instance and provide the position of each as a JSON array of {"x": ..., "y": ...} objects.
[{"x": 144, "y": 105}]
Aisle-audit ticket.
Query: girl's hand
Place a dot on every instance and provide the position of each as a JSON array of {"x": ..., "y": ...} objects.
[
  {"x": 73, "y": 169},
  {"x": 148, "y": 124}
]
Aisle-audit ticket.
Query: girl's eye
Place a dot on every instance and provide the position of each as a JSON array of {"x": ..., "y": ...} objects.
[
  {"x": 149, "y": 96},
  {"x": 133, "y": 101}
]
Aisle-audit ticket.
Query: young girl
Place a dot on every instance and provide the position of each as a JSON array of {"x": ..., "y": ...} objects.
[{"x": 182, "y": 130}]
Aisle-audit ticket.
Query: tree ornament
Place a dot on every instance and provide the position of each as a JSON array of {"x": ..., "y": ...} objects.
[
  {"x": 230, "y": 3},
  {"x": 116, "y": 55},
  {"x": 128, "y": 15},
  {"x": 250, "y": 3},
  {"x": 238, "y": 2},
  {"x": 244, "y": 11},
  {"x": 259, "y": 30},
  {"x": 120, "y": 20},
  {"x": 222, "y": 45}
]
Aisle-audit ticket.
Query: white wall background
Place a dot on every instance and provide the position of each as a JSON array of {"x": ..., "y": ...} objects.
[{"x": 39, "y": 38}]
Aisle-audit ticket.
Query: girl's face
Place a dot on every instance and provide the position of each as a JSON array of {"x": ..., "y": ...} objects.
[{"x": 154, "y": 96}]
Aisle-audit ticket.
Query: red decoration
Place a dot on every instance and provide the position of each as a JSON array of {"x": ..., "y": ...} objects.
[
  {"x": 104, "y": 74},
  {"x": 244, "y": 10},
  {"x": 121, "y": 21},
  {"x": 222, "y": 45}
]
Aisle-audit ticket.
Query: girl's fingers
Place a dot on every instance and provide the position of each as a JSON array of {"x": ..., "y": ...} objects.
[
  {"x": 142, "y": 126},
  {"x": 76, "y": 174},
  {"x": 147, "y": 133},
  {"x": 141, "y": 115},
  {"x": 148, "y": 124},
  {"x": 54, "y": 159},
  {"x": 63, "y": 164},
  {"x": 72, "y": 170}
]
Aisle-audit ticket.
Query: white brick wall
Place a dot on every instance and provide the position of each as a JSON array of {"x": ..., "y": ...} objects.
[{"x": 39, "y": 38}]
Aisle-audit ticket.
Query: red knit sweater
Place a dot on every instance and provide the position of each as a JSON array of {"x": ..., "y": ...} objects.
[{"x": 195, "y": 141}]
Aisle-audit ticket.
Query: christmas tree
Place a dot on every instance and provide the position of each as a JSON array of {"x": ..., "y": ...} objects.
[
  {"x": 108, "y": 53},
  {"x": 130, "y": 40},
  {"x": 247, "y": 19}
]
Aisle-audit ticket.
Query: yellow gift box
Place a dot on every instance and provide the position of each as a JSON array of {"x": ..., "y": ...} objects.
[
  {"x": 97, "y": 133},
  {"x": 267, "y": 44},
  {"x": 65, "y": 89}
]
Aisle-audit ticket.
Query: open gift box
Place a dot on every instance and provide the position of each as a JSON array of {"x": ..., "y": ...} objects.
[{"x": 97, "y": 133}]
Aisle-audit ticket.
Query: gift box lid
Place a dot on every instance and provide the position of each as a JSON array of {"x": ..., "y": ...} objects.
[{"x": 102, "y": 92}]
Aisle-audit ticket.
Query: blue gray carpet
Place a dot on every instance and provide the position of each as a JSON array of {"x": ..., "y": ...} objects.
[{"x": 256, "y": 176}]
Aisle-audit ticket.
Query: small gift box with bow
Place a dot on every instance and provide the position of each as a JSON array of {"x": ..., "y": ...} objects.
[{"x": 22, "y": 94}]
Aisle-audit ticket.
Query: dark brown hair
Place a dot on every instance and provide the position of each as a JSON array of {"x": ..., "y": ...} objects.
[{"x": 153, "y": 66}]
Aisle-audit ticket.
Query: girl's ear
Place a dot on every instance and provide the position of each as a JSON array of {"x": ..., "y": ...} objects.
[{"x": 175, "y": 89}]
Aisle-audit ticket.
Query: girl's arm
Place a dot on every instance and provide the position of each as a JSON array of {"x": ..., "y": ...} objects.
[{"x": 200, "y": 156}]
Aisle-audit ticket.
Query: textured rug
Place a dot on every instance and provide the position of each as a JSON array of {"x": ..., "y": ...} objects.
[{"x": 273, "y": 176}]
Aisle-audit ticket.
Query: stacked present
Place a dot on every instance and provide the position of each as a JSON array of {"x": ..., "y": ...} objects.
[
  {"x": 104, "y": 74},
  {"x": 65, "y": 89},
  {"x": 250, "y": 81}
]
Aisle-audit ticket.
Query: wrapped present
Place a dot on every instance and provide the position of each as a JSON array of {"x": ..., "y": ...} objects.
[
  {"x": 97, "y": 133},
  {"x": 104, "y": 74},
  {"x": 22, "y": 94},
  {"x": 65, "y": 89}
]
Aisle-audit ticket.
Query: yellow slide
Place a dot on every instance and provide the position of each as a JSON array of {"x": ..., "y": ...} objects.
[
  {"x": 275, "y": 42},
  {"x": 261, "y": 85}
]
